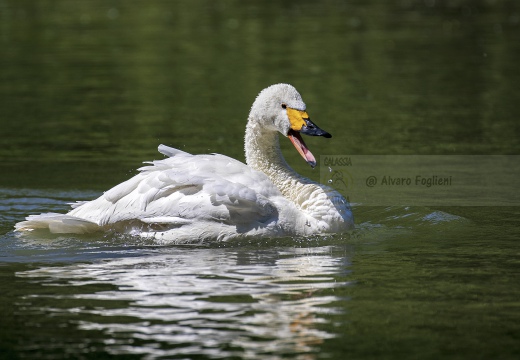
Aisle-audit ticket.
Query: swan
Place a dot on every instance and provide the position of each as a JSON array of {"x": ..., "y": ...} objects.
[{"x": 188, "y": 198}]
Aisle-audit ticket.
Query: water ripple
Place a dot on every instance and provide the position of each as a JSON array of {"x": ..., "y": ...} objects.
[{"x": 211, "y": 302}]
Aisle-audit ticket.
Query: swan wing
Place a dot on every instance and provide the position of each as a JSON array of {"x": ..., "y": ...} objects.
[{"x": 186, "y": 188}]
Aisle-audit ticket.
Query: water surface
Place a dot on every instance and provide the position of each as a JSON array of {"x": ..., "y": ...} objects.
[{"x": 89, "y": 89}]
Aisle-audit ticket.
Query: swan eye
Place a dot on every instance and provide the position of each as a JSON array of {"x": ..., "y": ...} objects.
[{"x": 284, "y": 106}]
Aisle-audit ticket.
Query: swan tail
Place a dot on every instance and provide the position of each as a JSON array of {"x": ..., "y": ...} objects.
[{"x": 57, "y": 224}]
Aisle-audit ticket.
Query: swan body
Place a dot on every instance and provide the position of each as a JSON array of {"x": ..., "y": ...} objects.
[{"x": 187, "y": 198}]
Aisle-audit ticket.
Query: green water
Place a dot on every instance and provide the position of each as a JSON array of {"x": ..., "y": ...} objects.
[{"x": 89, "y": 89}]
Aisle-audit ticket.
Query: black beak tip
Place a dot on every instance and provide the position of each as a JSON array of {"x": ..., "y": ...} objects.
[{"x": 313, "y": 130}]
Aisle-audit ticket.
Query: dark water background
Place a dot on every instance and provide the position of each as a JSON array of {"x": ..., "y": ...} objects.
[{"x": 88, "y": 89}]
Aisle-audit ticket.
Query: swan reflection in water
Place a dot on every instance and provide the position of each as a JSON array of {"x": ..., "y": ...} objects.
[{"x": 210, "y": 302}]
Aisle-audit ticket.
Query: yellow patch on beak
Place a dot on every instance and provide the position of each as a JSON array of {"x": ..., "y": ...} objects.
[{"x": 297, "y": 118}]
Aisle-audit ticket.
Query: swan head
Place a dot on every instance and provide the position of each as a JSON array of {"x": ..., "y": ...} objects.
[{"x": 280, "y": 108}]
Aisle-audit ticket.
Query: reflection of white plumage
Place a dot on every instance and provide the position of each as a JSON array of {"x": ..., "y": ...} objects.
[{"x": 203, "y": 197}]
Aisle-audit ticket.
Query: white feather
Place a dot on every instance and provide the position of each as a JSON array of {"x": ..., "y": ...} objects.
[{"x": 186, "y": 198}]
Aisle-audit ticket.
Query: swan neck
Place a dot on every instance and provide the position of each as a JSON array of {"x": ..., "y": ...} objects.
[
  {"x": 314, "y": 201},
  {"x": 262, "y": 150}
]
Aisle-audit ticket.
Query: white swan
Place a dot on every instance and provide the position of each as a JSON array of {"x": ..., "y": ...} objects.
[{"x": 187, "y": 198}]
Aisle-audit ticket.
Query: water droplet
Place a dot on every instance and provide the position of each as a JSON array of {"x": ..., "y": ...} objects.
[
  {"x": 330, "y": 181},
  {"x": 330, "y": 169}
]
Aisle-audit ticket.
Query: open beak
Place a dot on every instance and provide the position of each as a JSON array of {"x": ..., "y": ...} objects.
[{"x": 301, "y": 124}]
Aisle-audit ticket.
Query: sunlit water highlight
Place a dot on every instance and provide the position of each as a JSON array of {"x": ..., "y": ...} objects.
[{"x": 195, "y": 301}]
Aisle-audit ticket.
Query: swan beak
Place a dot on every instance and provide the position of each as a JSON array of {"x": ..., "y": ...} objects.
[{"x": 300, "y": 123}]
